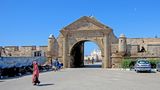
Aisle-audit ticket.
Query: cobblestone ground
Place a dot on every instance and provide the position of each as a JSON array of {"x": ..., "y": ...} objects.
[{"x": 86, "y": 79}]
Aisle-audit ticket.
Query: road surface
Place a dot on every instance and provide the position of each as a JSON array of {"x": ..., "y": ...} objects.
[{"x": 86, "y": 79}]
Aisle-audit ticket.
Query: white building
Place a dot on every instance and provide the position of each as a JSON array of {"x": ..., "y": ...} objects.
[{"x": 96, "y": 54}]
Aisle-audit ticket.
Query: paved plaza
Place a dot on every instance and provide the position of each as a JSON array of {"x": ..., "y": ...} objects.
[{"x": 86, "y": 79}]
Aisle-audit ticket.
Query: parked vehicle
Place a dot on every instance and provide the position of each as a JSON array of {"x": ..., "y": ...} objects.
[
  {"x": 158, "y": 67},
  {"x": 142, "y": 65}
]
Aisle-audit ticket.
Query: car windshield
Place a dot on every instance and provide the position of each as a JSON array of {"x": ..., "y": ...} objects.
[{"x": 143, "y": 62}]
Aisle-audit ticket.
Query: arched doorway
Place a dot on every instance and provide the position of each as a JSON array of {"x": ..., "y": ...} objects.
[
  {"x": 73, "y": 38},
  {"x": 77, "y": 56}
]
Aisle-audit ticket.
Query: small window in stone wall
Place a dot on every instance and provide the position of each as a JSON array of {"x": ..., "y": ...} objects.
[{"x": 37, "y": 54}]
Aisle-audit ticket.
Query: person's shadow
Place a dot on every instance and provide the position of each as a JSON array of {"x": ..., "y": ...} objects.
[{"x": 44, "y": 84}]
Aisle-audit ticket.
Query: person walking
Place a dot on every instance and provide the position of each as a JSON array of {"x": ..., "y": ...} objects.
[
  {"x": 92, "y": 60},
  {"x": 88, "y": 60},
  {"x": 35, "y": 76}
]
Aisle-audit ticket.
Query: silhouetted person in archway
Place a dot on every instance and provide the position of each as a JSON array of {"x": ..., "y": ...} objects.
[
  {"x": 92, "y": 60},
  {"x": 88, "y": 60}
]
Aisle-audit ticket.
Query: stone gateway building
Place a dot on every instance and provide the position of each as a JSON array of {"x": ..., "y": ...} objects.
[{"x": 69, "y": 46}]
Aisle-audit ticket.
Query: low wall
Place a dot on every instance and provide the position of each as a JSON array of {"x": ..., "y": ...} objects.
[{"x": 9, "y": 62}]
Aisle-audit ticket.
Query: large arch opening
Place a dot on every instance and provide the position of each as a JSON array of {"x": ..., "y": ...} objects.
[
  {"x": 92, "y": 55},
  {"x": 86, "y": 54}
]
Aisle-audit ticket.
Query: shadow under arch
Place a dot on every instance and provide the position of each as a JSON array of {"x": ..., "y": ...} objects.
[{"x": 77, "y": 54}]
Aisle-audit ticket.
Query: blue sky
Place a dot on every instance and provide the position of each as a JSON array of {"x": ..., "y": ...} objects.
[{"x": 29, "y": 22}]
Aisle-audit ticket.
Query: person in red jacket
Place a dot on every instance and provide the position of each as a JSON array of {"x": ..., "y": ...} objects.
[{"x": 35, "y": 76}]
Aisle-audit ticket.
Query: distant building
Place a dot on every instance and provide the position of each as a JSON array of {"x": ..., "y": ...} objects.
[{"x": 96, "y": 54}]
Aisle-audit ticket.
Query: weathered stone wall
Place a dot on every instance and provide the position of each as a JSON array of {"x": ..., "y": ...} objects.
[
  {"x": 27, "y": 50},
  {"x": 22, "y": 51},
  {"x": 154, "y": 49},
  {"x": 134, "y": 46},
  {"x": 114, "y": 39},
  {"x": 114, "y": 48},
  {"x": 60, "y": 47},
  {"x": 43, "y": 49},
  {"x": 10, "y": 51},
  {"x": 55, "y": 49},
  {"x": 143, "y": 41},
  {"x": 151, "y": 46},
  {"x": 133, "y": 49},
  {"x": 116, "y": 62},
  {"x": 135, "y": 41}
]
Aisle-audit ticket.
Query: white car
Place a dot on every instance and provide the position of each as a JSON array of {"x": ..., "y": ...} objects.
[
  {"x": 142, "y": 65},
  {"x": 158, "y": 67}
]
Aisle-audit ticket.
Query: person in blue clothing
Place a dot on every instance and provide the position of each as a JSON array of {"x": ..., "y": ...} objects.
[
  {"x": 60, "y": 66},
  {"x": 56, "y": 64}
]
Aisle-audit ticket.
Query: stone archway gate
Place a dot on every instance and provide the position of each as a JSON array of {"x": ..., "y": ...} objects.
[{"x": 87, "y": 28}]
